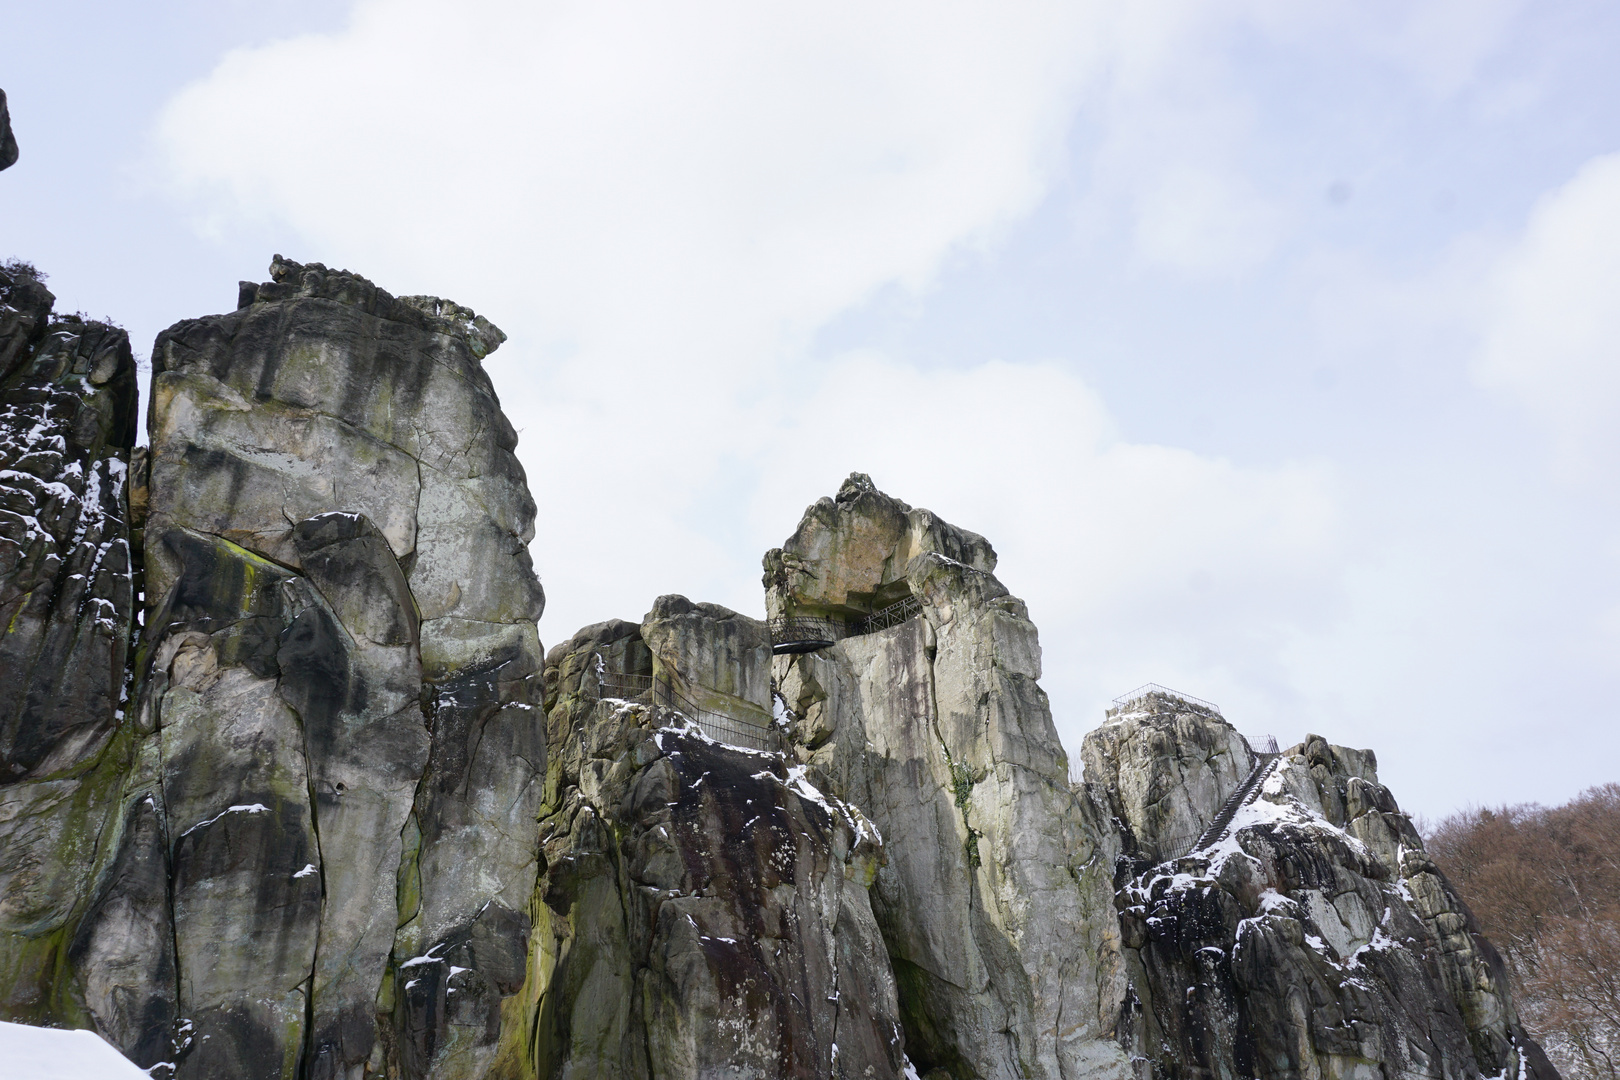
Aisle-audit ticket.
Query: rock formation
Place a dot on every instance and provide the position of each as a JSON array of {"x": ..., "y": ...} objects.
[
  {"x": 67, "y": 425},
  {"x": 318, "y": 856},
  {"x": 1314, "y": 939},
  {"x": 996, "y": 902},
  {"x": 704, "y": 908},
  {"x": 289, "y": 791}
]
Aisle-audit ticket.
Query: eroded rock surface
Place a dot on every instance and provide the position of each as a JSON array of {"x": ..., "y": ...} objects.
[
  {"x": 1164, "y": 766},
  {"x": 309, "y": 846},
  {"x": 996, "y": 904},
  {"x": 67, "y": 422},
  {"x": 704, "y": 909},
  {"x": 339, "y": 456},
  {"x": 1315, "y": 940},
  {"x": 309, "y": 827}
]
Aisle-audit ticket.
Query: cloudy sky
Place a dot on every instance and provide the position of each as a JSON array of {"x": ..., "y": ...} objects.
[{"x": 1274, "y": 345}]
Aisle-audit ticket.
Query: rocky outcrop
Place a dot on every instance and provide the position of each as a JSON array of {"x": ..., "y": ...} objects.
[
  {"x": 715, "y": 658},
  {"x": 308, "y": 848},
  {"x": 344, "y": 647},
  {"x": 703, "y": 910},
  {"x": 331, "y": 815},
  {"x": 8, "y": 141},
  {"x": 849, "y": 555},
  {"x": 996, "y": 903},
  {"x": 1315, "y": 939},
  {"x": 1163, "y": 766},
  {"x": 67, "y": 422}
]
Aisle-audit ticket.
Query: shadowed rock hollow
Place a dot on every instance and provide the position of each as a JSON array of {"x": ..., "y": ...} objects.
[{"x": 289, "y": 790}]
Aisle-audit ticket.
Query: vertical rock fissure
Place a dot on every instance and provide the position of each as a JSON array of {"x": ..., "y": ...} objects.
[{"x": 307, "y": 1058}]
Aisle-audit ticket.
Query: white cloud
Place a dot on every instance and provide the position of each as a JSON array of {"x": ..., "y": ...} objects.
[
  {"x": 643, "y": 173},
  {"x": 1552, "y": 336},
  {"x": 1205, "y": 223},
  {"x": 663, "y": 204}
]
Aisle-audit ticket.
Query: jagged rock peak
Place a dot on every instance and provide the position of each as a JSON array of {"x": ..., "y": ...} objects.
[
  {"x": 1164, "y": 765},
  {"x": 849, "y": 555},
  {"x": 996, "y": 903},
  {"x": 1312, "y": 938},
  {"x": 702, "y": 908},
  {"x": 296, "y": 835},
  {"x": 67, "y": 423},
  {"x": 290, "y": 279}
]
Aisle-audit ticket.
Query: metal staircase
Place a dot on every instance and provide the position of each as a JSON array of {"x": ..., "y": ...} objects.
[{"x": 1265, "y": 760}]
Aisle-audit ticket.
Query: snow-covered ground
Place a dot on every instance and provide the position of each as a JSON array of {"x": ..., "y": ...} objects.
[{"x": 33, "y": 1053}]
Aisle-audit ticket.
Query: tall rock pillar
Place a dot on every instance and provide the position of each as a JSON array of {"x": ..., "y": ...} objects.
[
  {"x": 67, "y": 424},
  {"x": 997, "y": 903},
  {"x": 341, "y": 677}
]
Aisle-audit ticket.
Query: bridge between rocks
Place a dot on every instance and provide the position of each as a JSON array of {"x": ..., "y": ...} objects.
[{"x": 808, "y": 633}]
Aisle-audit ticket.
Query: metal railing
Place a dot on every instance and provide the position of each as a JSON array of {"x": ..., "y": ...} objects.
[
  {"x": 807, "y": 633},
  {"x": 618, "y": 684},
  {"x": 1171, "y": 848},
  {"x": 892, "y": 615},
  {"x": 1154, "y": 688},
  {"x": 804, "y": 633},
  {"x": 717, "y": 726}
]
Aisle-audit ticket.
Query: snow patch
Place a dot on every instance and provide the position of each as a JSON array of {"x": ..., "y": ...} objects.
[
  {"x": 243, "y": 808},
  {"x": 425, "y": 958},
  {"x": 37, "y": 1053}
]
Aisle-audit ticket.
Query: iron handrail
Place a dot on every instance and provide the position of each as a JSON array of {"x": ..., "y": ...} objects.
[
  {"x": 804, "y": 633},
  {"x": 1175, "y": 847},
  {"x": 717, "y": 726},
  {"x": 892, "y": 615},
  {"x": 1154, "y": 688}
]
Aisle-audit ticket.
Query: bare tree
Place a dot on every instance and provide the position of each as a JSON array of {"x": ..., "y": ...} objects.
[{"x": 1545, "y": 886}]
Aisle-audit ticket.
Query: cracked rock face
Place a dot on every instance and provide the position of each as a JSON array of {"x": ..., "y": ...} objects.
[
  {"x": 291, "y": 833},
  {"x": 67, "y": 422},
  {"x": 703, "y": 910},
  {"x": 1163, "y": 767},
  {"x": 308, "y": 849},
  {"x": 342, "y": 595},
  {"x": 996, "y": 904},
  {"x": 1315, "y": 940}
]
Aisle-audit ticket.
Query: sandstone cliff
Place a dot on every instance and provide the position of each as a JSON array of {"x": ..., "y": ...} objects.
[
  {"x": 996, "y": 903},
  {"x": 1311, "y": 938},
  {"x": 67, "y": 425},
  {"x": 288, "y": 789},
  {"x": 314, "y": 849},
  {"x": 704, "y": 908}
]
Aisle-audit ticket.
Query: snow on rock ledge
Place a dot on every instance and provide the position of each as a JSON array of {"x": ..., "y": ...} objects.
[{"x": 1314, "y": 940}]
